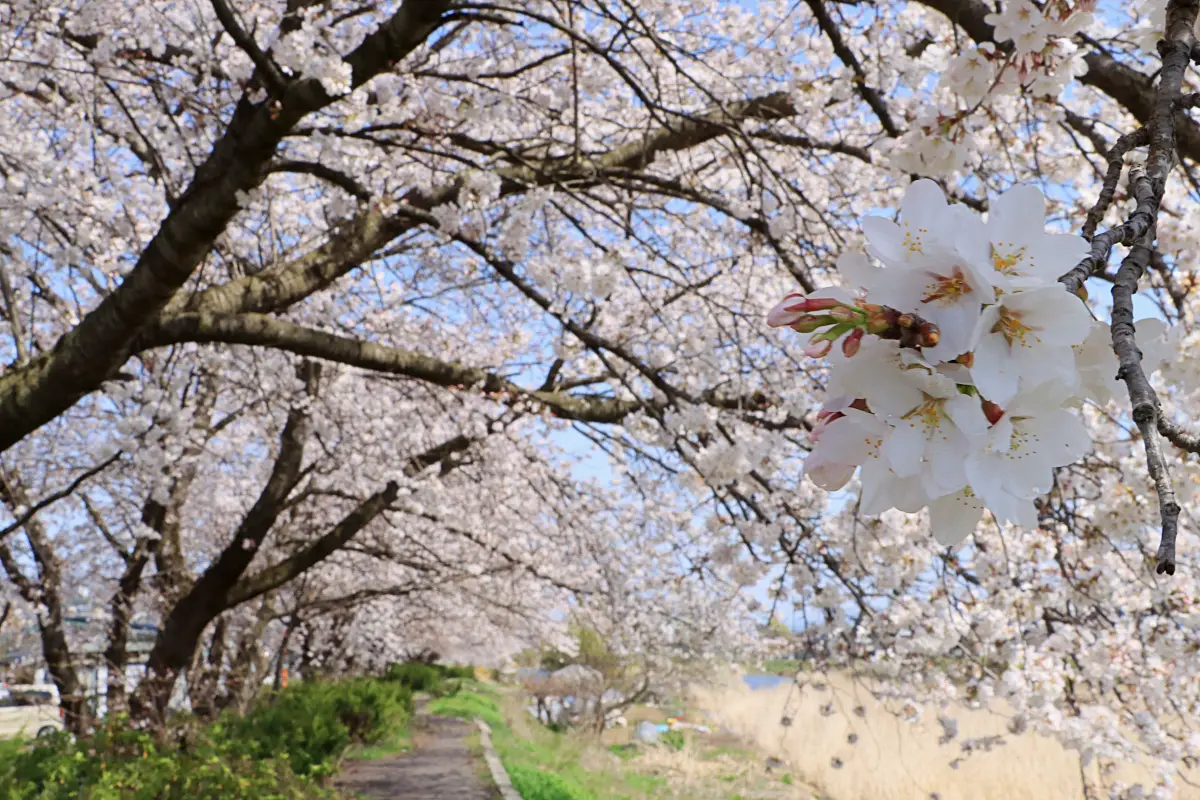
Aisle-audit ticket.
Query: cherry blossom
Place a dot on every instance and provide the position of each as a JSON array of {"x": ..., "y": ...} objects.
[{"x": 1025, "y": 339}]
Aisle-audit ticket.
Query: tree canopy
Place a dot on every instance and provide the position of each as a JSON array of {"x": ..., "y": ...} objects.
[{"x": 354, "y": 328}]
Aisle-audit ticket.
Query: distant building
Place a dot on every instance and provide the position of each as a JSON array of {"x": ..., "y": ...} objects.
[{"x": 87, "y": 637}]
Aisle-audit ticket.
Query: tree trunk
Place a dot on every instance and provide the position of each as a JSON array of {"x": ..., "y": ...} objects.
[
  {"x": 46, "y": 591},
  {"x": 240, "y": 682},
  {"x": 204, "y": 679}
]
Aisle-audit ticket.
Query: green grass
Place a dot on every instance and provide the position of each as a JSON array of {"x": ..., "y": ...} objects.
[
  {"x": 545, "y": 765},
  {"x": 469, "y": 704}
]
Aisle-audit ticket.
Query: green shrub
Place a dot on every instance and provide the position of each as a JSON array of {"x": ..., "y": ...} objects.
[
  {"x": 437, "y": 679},
  {"x": 310, "y": 725},
  {"x": 417, "y": 677},
  {"x": 273, "y": 753},
  {"x": 122, "y": 764}
]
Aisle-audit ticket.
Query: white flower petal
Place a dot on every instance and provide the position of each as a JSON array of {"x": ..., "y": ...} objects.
[{"x": 954, "y": 517}]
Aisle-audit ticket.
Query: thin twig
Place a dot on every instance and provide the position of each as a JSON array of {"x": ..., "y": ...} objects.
[
  {"x": 1116, "y": 159},
  {"x": 1176, "y": 435},
  {"x": 325, "y": 173},
  {"x": 1141, "y": 393},
  {"x": 59, "y": 495},
  {"x": 1126, "y": 233},
  {"x": 1148, "y": 184}
]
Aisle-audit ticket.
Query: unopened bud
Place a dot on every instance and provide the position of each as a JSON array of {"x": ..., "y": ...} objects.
[
  {"x": 929, "y": 334},
  {"x": 818, "y": 349},
  {"x": 992, "y": 411},
  {"x": 810, "y": 324},
  {"x": 820, "y": 304},
  {"x": 845, "y": 314},
  {"x": 851, "y": 343}
]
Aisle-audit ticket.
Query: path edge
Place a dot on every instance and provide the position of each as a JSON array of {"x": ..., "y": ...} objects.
[{"x": 495, "y": 766}]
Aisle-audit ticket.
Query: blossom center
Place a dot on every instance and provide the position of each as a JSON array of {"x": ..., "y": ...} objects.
[
  {"x": 946, "y": 289},
  {"x": 915, "y": 244},
  {"x": 928, "y": 415},
  {"x": 1010, "y": 326},
  {"x": 1006, "y": 262}
]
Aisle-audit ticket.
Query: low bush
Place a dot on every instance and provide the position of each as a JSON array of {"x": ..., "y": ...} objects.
[
  {"x": 437, "y": 679},
  {"x": 310, "y": 725},
  {"x": 278, "y": 751},
  {"x": 121, "y": 764}
]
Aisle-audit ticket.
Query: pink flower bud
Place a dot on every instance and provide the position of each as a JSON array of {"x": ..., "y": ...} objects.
[
  {"x": 851, "y": 343},
  {"x": 821, "y": 304},
  {"x": 818, "y": 349},
  {"x": 992, "y": 411},
  {"x": 787, "y": 310}
]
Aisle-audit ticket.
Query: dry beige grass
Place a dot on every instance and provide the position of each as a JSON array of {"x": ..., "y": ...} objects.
[{"x": 895, "y": 760}]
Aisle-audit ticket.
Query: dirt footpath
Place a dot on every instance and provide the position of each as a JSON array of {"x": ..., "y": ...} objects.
[{"x": 440, "y": 767}]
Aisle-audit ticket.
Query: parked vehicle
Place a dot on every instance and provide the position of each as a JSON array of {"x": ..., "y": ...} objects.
[{"x": 31, "y": 710}]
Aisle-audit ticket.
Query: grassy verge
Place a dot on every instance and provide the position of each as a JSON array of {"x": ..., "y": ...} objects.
[
  {"x": 547, "y": 765},
  {"x": 542, "y": 764}
]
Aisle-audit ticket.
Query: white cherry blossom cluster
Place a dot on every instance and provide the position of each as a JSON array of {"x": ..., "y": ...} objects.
[
  {"x": 959, "y": 359},
  {"x": 1036, "y": 54}
]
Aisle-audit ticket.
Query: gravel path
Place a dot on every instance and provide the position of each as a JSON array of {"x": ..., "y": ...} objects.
[{"x": 439, "y": 768}]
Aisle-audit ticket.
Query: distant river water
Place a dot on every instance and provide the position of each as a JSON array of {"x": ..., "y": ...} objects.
[{"x": 756, "y": 682}]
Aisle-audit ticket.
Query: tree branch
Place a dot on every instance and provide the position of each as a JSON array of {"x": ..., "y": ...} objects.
[
  {"x": 339, "y": 179},
  {"x": 277, "y": 575},
  {"x": 56, "y": 496},
  {"x": 276, "y": 84},
  {"x": 262, "y": 330},
  {"x": 1141, "y": 394}
]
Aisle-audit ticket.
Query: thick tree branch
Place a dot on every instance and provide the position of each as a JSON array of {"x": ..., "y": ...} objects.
[
  {"x": 181, "y": 630},
  {"x": 262, "y": 330},
  {"x": 84, "y": 357},
  {"x": 359, "y": 239},
  {"x": 1132, "y": 89},
  {"x": 277, "y": 575},
  {"x": 329, "y": 174}
]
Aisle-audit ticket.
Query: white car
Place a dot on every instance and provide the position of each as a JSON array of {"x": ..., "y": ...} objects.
[{"x": 30, "y": 711}]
